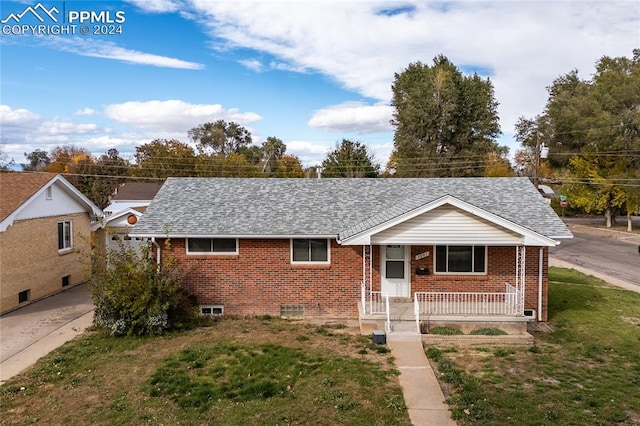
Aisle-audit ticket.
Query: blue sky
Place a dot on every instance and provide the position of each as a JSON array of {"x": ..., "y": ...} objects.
[{"x": 308, "y": 72}]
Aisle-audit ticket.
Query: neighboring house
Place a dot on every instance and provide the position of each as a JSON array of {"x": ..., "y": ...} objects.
[
  {"x": 451, "y": 248},
  {"x": 45, "y": 236},
  {"x": 132, "y": 195},
  {"x": 127, "y": 204}
]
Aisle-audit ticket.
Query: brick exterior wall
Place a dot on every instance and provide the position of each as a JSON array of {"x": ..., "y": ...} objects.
[
  {"x": 261, "y": 278},
  {"x": 501, "y": 266},
  {"x": 29, "y": 258}
]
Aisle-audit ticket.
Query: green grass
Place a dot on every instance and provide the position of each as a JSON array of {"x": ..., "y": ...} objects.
[
  {"x": 586, "y": 372},
  {"x": 262, "y": 371}
]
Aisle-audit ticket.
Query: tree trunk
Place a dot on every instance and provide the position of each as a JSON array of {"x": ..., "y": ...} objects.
[
  {"x": 629, "y": 222},
  {"x": 607, "y": 216}
]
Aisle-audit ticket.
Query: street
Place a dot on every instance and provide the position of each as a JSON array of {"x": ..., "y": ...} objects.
[{"x": 612, "y": 254}]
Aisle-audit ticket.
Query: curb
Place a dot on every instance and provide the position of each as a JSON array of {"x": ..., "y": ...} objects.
[{"x": 613, "y": 281}]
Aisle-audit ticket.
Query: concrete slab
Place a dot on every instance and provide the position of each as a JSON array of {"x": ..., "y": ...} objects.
[
  {"x": 33, "y": 331},
  {"x": 422, "y": 394}
]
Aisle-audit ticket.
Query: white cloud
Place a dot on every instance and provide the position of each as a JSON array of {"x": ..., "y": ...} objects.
[
  {"x": 157, "y": 6},
  {"x": 24, "y": 131},
  {"x": 252, "y": 64},
  {"x": 109, "y": 50},
  {"x": 525, "y": 44},
  {"x": 174, "y": 115},
  {"x": 354, "y": 117},
  {"x": 85, "y": 111},
  {"x": 310, "y": 153},
  {"x": 17, "y": 118}
]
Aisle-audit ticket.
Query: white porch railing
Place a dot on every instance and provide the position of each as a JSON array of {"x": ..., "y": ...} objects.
[
  {"x": 386, "y": 302},
  {"x": 373, "y": 302},
  {"x": 467, "y": 303}
]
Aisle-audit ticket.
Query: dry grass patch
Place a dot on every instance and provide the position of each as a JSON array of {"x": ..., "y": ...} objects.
[
  {"x": 260, "y": 371},
  {"x": 585, "y": 372}
]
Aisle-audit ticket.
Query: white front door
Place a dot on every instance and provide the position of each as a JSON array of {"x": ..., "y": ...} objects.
[{"x": 396, "y": 279}]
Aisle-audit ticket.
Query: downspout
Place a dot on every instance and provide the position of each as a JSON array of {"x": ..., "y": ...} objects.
[
  {"x": 158, "y": 251},
  {"x": 540, "y": 265}
]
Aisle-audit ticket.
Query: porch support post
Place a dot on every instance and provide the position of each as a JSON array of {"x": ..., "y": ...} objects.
[
  {"x": 367, "y": 275},
  {"x": 521, "y": 266},
  {"x": 540, "y": 266}
]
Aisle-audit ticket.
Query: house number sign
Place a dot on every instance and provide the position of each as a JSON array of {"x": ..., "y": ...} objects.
[{"x": 422, "y": 255}]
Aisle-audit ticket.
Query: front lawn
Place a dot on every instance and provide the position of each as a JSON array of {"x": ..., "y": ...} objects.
[
  {"x": 260, "y": 371},
  {"x": 587, "y": 372}
]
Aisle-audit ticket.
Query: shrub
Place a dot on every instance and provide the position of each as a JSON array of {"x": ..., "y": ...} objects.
[
  {"x": 446, "y": 331},
  {"x": 134, "y": 296},
  {"x": 489, "y": 331}
]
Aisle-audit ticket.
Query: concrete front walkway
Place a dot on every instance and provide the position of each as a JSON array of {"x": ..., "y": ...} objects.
[
  {"x": 33, "y": 331},
  {"x": 422, "y": 393}
]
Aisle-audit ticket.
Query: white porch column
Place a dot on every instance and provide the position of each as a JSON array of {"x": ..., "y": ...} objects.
[
  {"x": 521, "y": 266},
  {"x": 367, "y": 277}
]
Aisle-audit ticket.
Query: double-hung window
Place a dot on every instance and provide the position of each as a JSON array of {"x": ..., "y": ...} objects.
[
  {"x": 227, "y": 246},
  {"x": 461, "y": 259},
  {"x": 309, "y": 250},
  {"x": 65, "y": 238}
]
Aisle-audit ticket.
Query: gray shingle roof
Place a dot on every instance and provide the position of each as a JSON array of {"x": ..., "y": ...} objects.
[{"x": 329, "y": 207}]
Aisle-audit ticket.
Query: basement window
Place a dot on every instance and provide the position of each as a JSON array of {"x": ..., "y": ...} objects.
[
  {"x": 212, "y": 310},
  {"x": 66, "y": 280},
  {"x": 24, "y": 296},
  {"x": 292, "y": 311}
]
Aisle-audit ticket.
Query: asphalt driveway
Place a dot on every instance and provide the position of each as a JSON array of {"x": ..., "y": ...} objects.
[{"x": 32, "y": 331}]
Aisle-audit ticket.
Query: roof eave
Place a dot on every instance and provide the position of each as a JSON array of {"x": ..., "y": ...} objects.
[{"x": 530, "y": 237}]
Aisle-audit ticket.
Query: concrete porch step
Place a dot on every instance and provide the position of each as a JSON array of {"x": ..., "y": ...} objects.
[{"x": 404, "y": 327}]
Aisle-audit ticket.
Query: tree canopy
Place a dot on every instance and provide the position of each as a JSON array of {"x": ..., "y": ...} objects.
[
  {"x": 593, "y": 130},
  {"x": 446, "y": 123},
  {"x": 350, "y": 160},
  {"x": 219, "y": 137},
  {"x": 162, "y": 158}
]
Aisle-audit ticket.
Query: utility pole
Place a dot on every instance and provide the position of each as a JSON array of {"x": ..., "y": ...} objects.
[{"x": 542, "y": 151}]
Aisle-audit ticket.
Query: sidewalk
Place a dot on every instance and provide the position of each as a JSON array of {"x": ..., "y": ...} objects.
[
  {"x": 35, "y": 330},
  {"x": 613, "y": 281},
  {"x": 422, "y": 393}
]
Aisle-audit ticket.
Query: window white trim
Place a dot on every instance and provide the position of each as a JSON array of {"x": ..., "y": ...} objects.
[
  {"x": 212, "y": 252},
  {"x": 310, "y": 262},
  {"x": 435, "y": 259},
  {"x": 211, "y": 310},
  {"x": 65, "y": 236},
  {"x": 49, "y": 193}
]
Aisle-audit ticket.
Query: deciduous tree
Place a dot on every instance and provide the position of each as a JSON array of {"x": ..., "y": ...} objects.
[
  {"x": 350, "y": 159},
  {"x": 593, "y": 129},
  {"x": 162, "y": 158},
  {"x": 446, "y": 123},
  {"x": 219, "y": 137}
]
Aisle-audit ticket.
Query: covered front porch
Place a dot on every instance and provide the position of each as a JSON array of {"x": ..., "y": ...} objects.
[
  {"x": 465, "y": 311},
  {"x": 449, "y": 261},
  {"x": 401, "y": 309}
]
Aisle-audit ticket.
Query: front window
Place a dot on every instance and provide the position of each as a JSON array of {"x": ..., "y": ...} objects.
[
  {"x": 461, "y": 259},
  {"x": 212, "y": 246},
  {"x": 65, "y": 241},
  {"x": 310, "y": 251}
]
